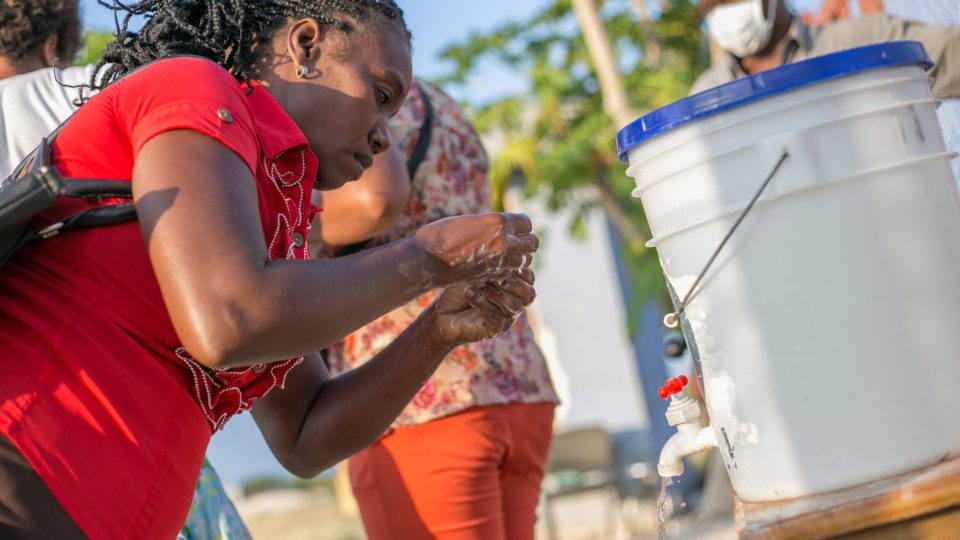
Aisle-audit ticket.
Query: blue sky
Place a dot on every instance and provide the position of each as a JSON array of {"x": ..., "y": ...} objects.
[{"x": 435, "y": 24}]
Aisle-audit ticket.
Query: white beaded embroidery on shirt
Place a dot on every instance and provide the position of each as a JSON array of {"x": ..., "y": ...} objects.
[
  {"x": 209, "y": 389},
  {"x": 279, "y": 180}
]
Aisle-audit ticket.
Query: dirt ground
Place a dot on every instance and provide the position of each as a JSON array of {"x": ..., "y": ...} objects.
[{"x": 313, "y": 515}]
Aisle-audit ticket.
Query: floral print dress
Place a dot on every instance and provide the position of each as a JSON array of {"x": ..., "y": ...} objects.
[{"x": 451, "y": 180}]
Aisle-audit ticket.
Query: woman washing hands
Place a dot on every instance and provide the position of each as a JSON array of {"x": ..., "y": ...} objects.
[{"x": 124, "y": 347}]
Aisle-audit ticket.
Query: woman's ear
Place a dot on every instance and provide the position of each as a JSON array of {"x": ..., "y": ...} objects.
[
  {"x": 303, "y": 44},
  {"x": 48, "y": 51}
]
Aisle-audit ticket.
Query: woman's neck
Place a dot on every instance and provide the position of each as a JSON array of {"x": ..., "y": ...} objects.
[{"x": 10, "y": 67}]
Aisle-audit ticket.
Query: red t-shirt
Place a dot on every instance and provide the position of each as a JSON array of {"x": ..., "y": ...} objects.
[{"x": 96, "y": 391}]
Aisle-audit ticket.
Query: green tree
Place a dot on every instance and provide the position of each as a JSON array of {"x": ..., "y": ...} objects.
[
  {"x": 93, "y": 44},
  {"x": 558, "y": 136}
]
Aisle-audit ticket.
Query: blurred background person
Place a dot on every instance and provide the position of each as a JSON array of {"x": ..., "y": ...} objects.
[
  {"x": 466, "y": 457},
  {"x": 212, "y": 514},
  {"x": 758, "y": 35},
  {"x": 37, "y": 37},
  {"x": 36, "y": 34}
]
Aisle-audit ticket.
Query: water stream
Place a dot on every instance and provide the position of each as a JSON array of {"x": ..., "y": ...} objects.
[{"x": 665, "y": 482}]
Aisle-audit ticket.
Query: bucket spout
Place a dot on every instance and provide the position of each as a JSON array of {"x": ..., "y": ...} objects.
[{"x": 690, "y": 438}]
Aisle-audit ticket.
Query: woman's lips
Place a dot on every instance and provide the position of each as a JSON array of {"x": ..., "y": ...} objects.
[
  {"x": 364, "y": 160},
  {"x": 362, "y": 163}
]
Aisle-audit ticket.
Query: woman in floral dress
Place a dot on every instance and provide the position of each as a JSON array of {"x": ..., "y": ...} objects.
[{"x": 466, "y": 457}]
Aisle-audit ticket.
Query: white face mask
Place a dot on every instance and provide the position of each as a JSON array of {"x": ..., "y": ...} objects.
[{"x": 740, "y": 28}]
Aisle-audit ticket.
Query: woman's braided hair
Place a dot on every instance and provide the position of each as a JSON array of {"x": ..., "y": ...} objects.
[{"x": 228, "y": 32}]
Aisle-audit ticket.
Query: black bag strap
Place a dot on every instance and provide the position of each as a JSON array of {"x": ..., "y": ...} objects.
[
  {"x": 426, "y": 133},
  {"x": 93, "y": 217},
  {"x": 48, "y": 152},
  {"x": 89, "y": 188},
  {"x": 38, "y": 164},
  {"x": 85, "y": 188}
]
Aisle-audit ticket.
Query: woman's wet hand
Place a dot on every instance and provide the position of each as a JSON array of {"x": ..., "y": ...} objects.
[
  {"x": 483, "y": 310},
  {"x": 480, "y": 247}
]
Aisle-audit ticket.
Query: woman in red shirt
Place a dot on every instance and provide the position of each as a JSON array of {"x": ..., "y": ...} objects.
[{"x": 124, "y": 347}]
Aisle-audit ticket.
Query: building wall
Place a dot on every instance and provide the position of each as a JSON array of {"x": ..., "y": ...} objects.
[{"x": 582, "y": 322}]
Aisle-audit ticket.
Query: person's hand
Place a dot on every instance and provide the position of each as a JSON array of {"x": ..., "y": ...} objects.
[
  {"x": 483, "y": 310},
  {"x": 479, "y": 247}
]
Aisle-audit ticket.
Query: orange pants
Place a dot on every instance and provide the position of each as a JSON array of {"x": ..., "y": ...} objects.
[{"x": 470, "y": 476}]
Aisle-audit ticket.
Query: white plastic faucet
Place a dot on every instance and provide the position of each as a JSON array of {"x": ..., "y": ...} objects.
[{"x": 690, "y": 438}]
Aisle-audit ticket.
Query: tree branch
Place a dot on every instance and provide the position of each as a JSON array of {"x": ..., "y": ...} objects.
[{"x": 615, "y": 101}]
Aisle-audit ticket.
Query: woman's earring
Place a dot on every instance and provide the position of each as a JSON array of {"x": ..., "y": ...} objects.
[{"x": 302, "y": 72}]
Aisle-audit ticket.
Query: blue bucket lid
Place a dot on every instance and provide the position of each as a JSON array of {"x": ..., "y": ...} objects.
[{"x": 766, "y": 84}]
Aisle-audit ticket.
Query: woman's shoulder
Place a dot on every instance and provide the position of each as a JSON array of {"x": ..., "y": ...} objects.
[
  {"x": 181, "y": 90},
  {"x": 185, "y": 76},
  {"x": 446, "y": 110},
  {"x": 179, "y": 93},
  {"x": 435, "y": 94}
]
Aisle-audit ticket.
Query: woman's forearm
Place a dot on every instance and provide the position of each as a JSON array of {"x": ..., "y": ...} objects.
[
  {"x": 374, "y": 394},
  {"x": 347, "y": 293},
  {"x": 314, "y": 422}
]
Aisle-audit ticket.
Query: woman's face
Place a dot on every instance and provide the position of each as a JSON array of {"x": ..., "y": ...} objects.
[{"x": 354, "y": 83}]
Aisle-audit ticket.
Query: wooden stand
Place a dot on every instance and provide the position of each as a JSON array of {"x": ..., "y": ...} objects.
[{"x": 923, "y": 504}]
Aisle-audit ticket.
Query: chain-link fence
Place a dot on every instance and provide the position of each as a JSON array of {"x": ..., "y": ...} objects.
[
  {"x": 940, "y": 12},
  {"x": 944, "y": 12}
]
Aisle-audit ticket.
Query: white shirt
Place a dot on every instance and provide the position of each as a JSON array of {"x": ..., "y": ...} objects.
[{"x": 31, "y": 106}]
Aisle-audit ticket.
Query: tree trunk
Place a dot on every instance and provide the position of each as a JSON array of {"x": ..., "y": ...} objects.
[
  {"x": 640, "y": 7},
  {"x": 652, "y": 48},
  {"x": 615, "y": 104},
  {"x": 604, "y": 61}
]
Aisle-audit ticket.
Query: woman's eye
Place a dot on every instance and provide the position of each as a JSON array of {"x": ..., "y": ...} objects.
[{"x": 383, "y": 97}]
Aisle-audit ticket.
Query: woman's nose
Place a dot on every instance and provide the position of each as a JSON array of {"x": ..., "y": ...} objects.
[{"x": 379, "y": 140}]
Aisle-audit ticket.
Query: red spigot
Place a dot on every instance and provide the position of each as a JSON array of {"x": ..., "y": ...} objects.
[{"x": 672, "y": 386}]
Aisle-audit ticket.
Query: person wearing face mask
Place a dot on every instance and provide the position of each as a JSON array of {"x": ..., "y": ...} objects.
[
  {"x": 763, "y": 34},
  {"x": 758, "y": 35}
]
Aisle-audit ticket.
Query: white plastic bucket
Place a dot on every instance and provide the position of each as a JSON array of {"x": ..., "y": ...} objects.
[{"x": 828, "y": 328}]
